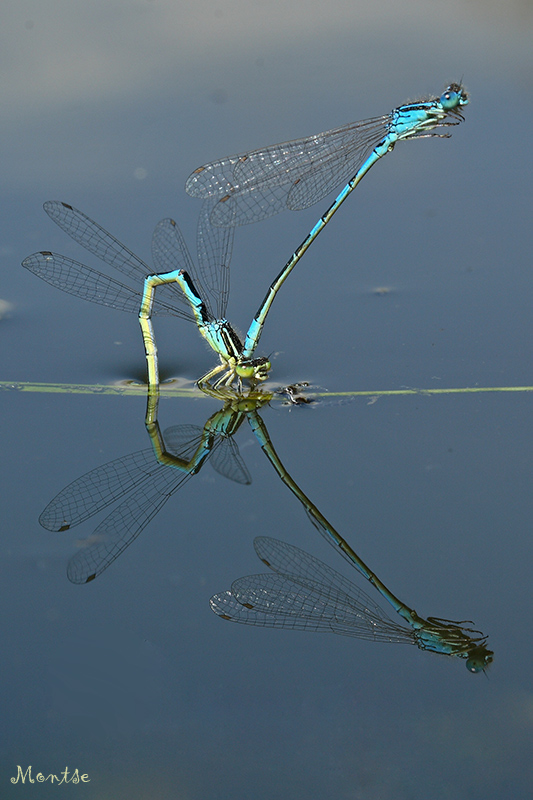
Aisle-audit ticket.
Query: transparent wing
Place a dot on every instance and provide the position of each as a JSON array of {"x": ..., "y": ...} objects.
[
  {"x": 227, "y": 461},
  {"x": 170, "y": 253},
  {"x": 182, "y": 440},
  {"x": 224, "y": 452},
  {"x": 98, "y": 241},
  {"x": 81, "y": 281},
  {"x": 305, "y": 594},
  {"x": 231, "y": 607},
  {"x": 214, "y": 246},
  {"x": 148, "y": 484},
  {"x": 258, "y": 184},
  {"x": 338, "y": 168},
  {"x": 277, "y": 601},
  {"x": 287, "y": 559},
  {"x": 97, "y": 489},
  {"x": 290, "y": 561},
  {"x": 120, "y": 528}
]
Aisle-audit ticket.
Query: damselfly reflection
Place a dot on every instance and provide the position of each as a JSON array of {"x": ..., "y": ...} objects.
[
  {"x": 270, "y": 599},
  {"x": 145, "y": 479},
  {"x": 306, "y": 594},
  {"x": 198, "y": 295}
]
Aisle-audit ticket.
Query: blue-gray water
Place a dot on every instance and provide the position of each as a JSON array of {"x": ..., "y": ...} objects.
[{"x": 132, "y": 679}]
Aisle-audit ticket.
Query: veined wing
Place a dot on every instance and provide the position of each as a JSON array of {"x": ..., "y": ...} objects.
[
  {"x": 183, "y": 440},
  {"x": 122, "y": 526},
  {"x": 156, "y": 483},
  {"x": 214, "y": 247},
  {"x": 81, "y": 281},
  {"x": 211, "y": 279},
  {"x": 278, "y": 601},
  {"x": 225, "y": 457},
  {"x": 305, "y": 594},
  {"x": 107, "y": 483},
  {"x": 228, "y": 462},
  {"x": 146, "y": 486},
  {"x": 98, "y": 241},
  {"x": 296, "y": 174},
  {"x": 97, "y": 489},
  {"x": 300, "y": 566}
]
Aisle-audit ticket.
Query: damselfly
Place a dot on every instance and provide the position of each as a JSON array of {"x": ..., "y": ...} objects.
[
  {"x": 185, "y": 294},
  {"x": 294, "y": 175}
]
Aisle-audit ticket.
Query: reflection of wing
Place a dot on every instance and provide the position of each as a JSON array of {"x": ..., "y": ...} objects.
[
  {"x": 225, "y": 457},
  {"x": 107, "y": 483},
  {"x": 227, "y": 461},
  {"x": 97, "y": 489},
  {"x": 119, "y": 529},
  {"x": 125, "y": 523},
  {"x": 289, "y": 560},
  {"x": 305, "y": 595},
  {"x": 149, "y": 484},
  {"x": 265, "y": 601},
  {"x": 183, "y": 441}
]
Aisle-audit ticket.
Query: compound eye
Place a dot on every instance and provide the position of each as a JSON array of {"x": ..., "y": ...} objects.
[
  {"x": 245, "y": 371},
  {"x": 449, "y": 99}
]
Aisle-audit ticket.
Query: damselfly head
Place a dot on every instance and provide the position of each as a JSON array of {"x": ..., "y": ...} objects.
[
  {"x": 479, "y": 658},
  {"x": 453, "y": 97},
  {"x": 255, "y": 369}
]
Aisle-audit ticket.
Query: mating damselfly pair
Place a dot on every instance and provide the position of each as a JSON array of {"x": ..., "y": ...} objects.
[{"x": 236, "y": 190}]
